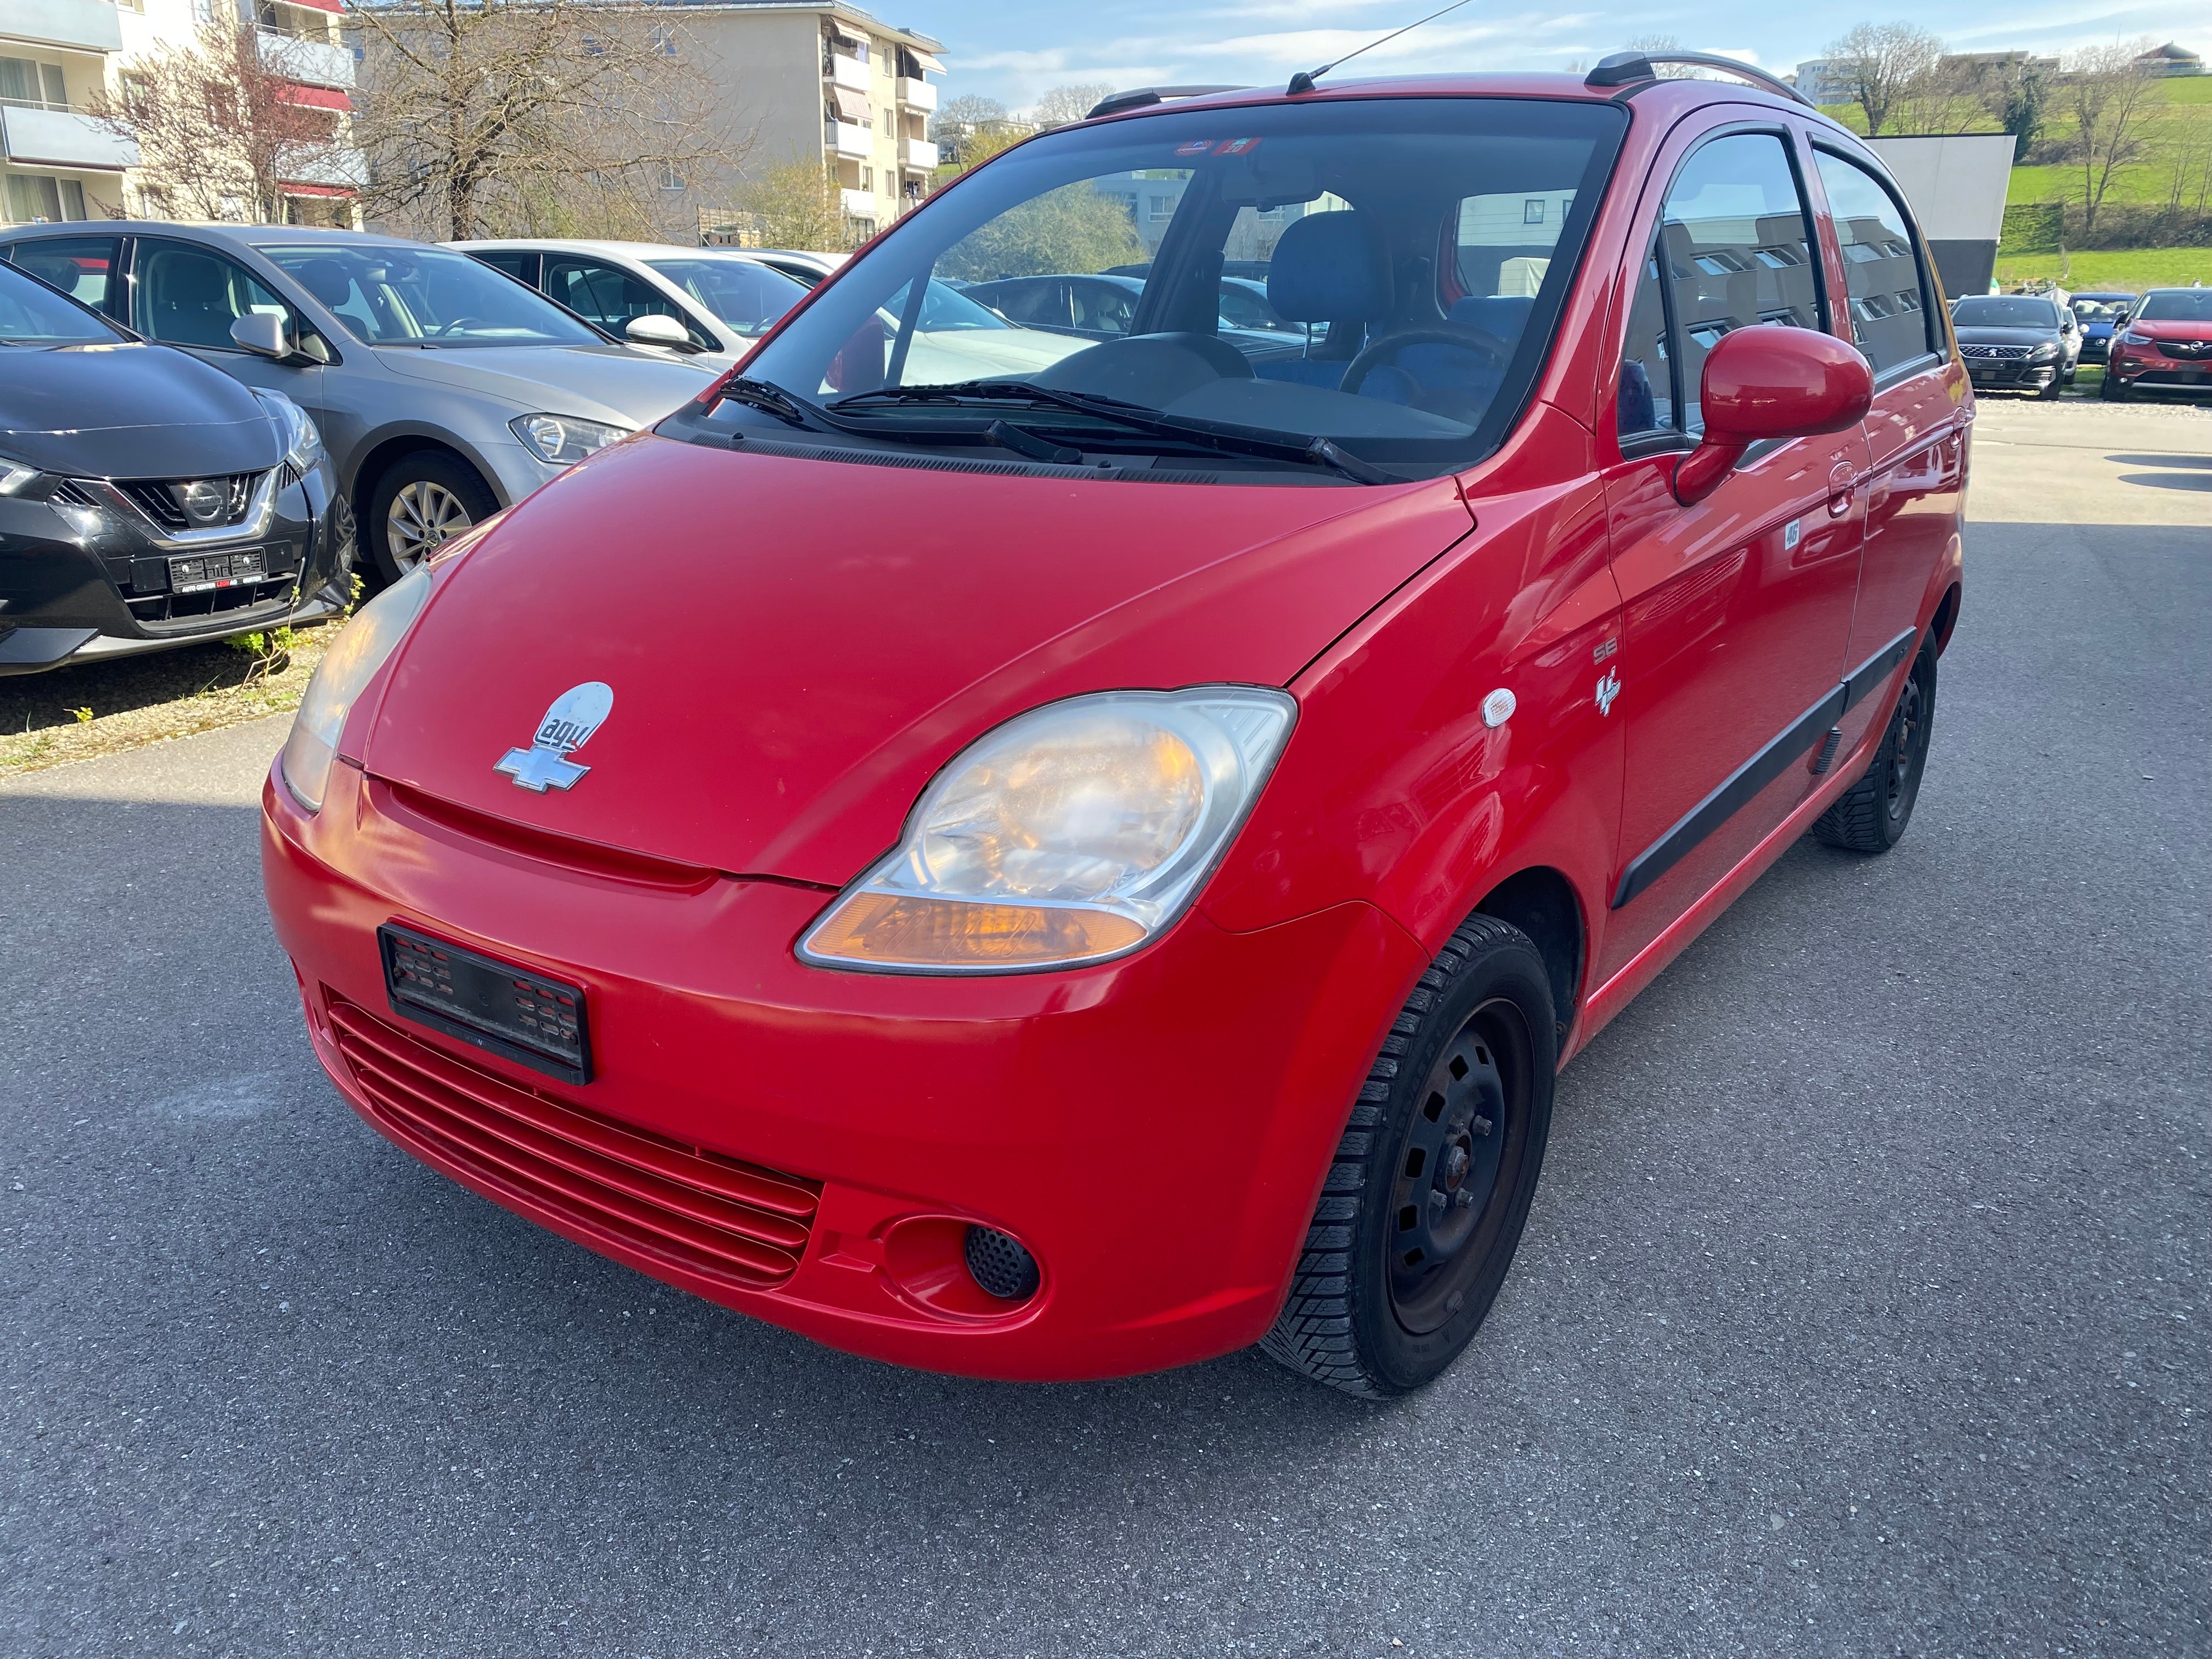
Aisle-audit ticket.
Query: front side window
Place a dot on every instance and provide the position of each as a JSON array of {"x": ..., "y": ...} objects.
[
  {"x": 608, "y": 295},
  {"x": 29, "y": 315},
  {"x": 1345, "y": 324},
  {"x": 1883, "y": 283},
  {"x": 1735, "y": 249},
  {"x": 425, "y": 297},
  {"x": 189, "y": 296}
]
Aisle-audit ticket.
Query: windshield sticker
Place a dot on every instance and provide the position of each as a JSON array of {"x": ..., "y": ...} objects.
[
  {"x": 1195, "y": 147},
  {"x": 1238, "y": 147}
]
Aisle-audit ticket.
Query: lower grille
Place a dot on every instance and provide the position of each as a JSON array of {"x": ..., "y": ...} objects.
[{"x": 694, "y": 1209}]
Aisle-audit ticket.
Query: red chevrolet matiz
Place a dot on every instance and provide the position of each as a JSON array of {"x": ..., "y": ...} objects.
[{"x": 1062, "y": 819}]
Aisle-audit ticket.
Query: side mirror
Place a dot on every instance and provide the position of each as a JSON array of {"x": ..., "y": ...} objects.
[
  {"x": 660, "y": 330},
  {"x": 1771, "y": 381},
  {"x": 263, "y": 335}
]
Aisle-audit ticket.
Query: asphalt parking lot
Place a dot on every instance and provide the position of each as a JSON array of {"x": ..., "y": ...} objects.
[{"x": 1863, "y": 1308}]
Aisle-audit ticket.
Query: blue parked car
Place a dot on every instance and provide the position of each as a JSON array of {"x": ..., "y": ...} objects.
[{"x": 2101, "y": 316}]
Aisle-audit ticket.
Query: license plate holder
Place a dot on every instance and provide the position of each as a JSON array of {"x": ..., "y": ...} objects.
[
  {"x": 532, "y": 1018},
  {"x": 233, "y": 566}
]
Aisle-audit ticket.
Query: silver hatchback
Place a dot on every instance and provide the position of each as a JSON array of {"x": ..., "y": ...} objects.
[{"x": 444, "y": 390}]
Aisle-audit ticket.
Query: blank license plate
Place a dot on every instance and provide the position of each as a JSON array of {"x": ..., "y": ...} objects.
[{"x": 513, "y": 1011}]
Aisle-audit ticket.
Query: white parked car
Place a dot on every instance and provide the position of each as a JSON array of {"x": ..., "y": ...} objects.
[{"x": 709, "y": 303}]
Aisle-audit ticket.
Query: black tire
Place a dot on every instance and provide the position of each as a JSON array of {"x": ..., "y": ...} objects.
[
  {"x": 434, "y": 491},
  {"x": 1870, "y": 816},
  {"x": 1474, "y": 1044},
  {"x": 2045, "y": 394},
  {"x": 2113, "y": 389}
]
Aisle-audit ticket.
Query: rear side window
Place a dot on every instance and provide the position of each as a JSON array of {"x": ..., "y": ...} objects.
[
  {"x": 1883, "y": 283},
  {"x": 82, "y": 267},
  {"x": 1734, "y": 250}
]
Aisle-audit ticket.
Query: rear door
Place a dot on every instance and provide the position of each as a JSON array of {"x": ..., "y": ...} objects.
[
  {"x": 1916, "y": 431},
  {"x": 1736, "y": 611},
  {"x": 82, "y": 266}
]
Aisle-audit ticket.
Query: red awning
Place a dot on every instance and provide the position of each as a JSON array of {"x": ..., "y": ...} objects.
[
  {"x": 315, "y": 97},
  {"x": 318, "y": 5},
  {"x": 290, "y": 189}
]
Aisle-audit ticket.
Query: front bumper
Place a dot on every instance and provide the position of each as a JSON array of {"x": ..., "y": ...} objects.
[
  {"x": 2008, "y": 375},
  {"x": 2136, "y": 366},
  {"x": 1154, "y": 1129},
  {"x": 84, "y": 574}
]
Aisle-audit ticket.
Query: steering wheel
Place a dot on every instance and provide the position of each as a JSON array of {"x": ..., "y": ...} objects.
[
  {"x": 1465, "y": 335},
  {"x": 458, "y": 322}
]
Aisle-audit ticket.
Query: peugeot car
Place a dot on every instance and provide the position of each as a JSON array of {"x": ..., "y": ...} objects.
[
  {"x": 445, "y": 390},
  {"x": 2017, "y": 342},
  {"x": 146, "y": 499},
  {"x": 2168, "y": 345},
  {"x": 1106, "y": 859}
]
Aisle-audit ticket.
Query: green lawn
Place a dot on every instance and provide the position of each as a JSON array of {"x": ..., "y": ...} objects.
[{"x": 2128, "y": 270}]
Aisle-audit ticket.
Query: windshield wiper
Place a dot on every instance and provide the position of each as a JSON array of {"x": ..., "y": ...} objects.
[
  {"x": 1316, "y": 452},
  {"x": 769, "y": 397}
]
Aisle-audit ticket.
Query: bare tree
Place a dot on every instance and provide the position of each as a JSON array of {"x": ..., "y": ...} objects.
[
  {"x": 1882, "y": 66},
  {"x": 482, "y": 117},
  {"x": 1665, "y": 43},
  {"x": 1064, "y": 106},
  {"x": 219, "y": 129},
  {"x": 2105, "y": 104}
]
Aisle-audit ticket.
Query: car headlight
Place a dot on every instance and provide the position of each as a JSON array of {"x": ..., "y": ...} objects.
[
  {"x": 351, "y": 663},
  {"x": 16, "y": 476},
  {"x": 2043, "y": 353},
  {"x": 561, "y": 439},
  {"x": 303, "y": 445},
  {"x": 1072, "y": 832},
  {"x": 2133, "y": 338}
]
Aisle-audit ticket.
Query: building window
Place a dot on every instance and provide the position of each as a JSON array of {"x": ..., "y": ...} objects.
[
  {"x": 670, "y": 177},
  {"x": 1532, "y": 210},
  {"x": 29, "y": 85},
  {"x": 663, "y": 41},
  {"x": 35, "y": 198},
  {"x": 1161, "y": 208},
  {"x": 867, "y": 177}
]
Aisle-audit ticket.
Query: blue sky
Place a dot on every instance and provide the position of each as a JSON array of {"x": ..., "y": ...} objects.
[{"x": 1014, "y": 52}]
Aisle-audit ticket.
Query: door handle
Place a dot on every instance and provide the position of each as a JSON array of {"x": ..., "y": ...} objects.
[{"x": 1841, "y": 478}]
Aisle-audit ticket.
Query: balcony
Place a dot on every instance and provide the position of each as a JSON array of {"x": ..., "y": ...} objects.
[
  {"x": 918, "y": 153},
  {"x": 858, "y": 204},
  {"x": 310, "y": 63},
  {"x": 74, "y": 25},
  {"x": 63, "y": 139},
  {"x": 916, "y": 94},
  {"x": 843, "y": 71},
  {"x": 342, "y": 169},
  {"x": 844, "y": 138}
]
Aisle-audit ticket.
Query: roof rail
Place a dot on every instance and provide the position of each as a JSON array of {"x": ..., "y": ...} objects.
[
  {"x": 1139, "y": 97},
  {"x": 1627, "y": 68}
]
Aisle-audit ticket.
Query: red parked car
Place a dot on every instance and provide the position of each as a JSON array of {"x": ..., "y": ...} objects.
[
  {"x": 1045, "y": 857},
  {"x": 2166, "y": 343}
]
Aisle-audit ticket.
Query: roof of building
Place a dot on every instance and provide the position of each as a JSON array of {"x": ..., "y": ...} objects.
[{"x": 837, "y": 7}]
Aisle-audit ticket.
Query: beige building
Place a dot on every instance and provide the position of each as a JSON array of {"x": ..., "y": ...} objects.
[{"x": 818, "y": 82}]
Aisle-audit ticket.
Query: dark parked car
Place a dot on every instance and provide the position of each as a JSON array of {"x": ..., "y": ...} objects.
[
  {"x": 2101, "y": 316},
  {"x": 445, "y": 390},
  {"x": 147, "y": 500},
  {"x": 2017, "y": 342},
  {"x": 1102, "y": 307}
]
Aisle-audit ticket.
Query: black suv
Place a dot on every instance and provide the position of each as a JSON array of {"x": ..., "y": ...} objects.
[{"x": 2017, "y": 342}]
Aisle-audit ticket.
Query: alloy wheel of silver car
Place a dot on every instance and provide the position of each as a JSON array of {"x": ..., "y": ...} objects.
[{"x": 423, "y": 514}]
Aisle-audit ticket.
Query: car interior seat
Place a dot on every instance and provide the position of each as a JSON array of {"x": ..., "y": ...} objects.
[
  {"x": 1328, "y": 268},
  {"x": 188, "y": 299}
]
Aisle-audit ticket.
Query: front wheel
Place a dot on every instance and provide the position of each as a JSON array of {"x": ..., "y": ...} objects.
[
  {"x": 424, "y": 499},
  {"x": 1425, "y": 1200},
  {"x": 1871, "y": 815},
  {"x": 2113, "y": 391},
  {"x": 2045, "y": 394}
]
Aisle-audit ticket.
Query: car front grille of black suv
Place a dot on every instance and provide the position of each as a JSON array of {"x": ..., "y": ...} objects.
[{"x": 178, "y": 504}]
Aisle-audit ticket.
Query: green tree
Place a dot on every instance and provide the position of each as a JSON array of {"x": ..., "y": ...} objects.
[
  {"x": 1073, "y": 228},
  {"x": 797, "y": 204}
]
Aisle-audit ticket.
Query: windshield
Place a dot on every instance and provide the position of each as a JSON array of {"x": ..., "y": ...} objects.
[
  {"x": 1990, "y": 311},
  {"x": 426, "y": 296},
  {"x": 34, "y": 316},
  {"x": 2177, "y": 305},
  {"x": 2101, "y": 308},
  {"x": 747, "y": 296},
  {"x": 1400, "y": 264}
]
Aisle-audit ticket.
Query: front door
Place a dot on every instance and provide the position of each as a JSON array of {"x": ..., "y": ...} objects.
[
  {"x": 1735, "y": 611},
  {"x": 187, "y": 296}
]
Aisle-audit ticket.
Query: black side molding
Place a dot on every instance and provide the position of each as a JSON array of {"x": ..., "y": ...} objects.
[{"x": 1762, "y": 769}]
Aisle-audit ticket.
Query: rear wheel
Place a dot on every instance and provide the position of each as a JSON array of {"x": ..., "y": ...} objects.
[
  {"x": 1425, "y": 1200},
  {"x": 1871, "y": 815},
  {"x": 424, "y": 498}
]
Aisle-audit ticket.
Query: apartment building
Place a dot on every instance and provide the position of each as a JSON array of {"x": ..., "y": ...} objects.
[
  {"x": 818, "y": 83},
  {"x": 57, "y": 163}
]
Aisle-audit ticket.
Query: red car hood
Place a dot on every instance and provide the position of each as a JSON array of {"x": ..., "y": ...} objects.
[
  {"x": 2180, "y": 330},
  {"x": 795, "y": 646}
]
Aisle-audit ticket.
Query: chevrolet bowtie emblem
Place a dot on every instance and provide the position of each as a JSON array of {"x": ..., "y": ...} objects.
[{"x": 568, "y": 726}]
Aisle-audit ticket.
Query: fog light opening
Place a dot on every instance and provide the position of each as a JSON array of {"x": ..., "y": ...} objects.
[{"x": 997, "y": 1263}]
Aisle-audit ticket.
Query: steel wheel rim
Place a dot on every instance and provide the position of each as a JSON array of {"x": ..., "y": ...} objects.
[
  {"x": 423, "y": 514},
  {"x": 1908, "y": 730},
  {"x": 1455, "y": 1179}
]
